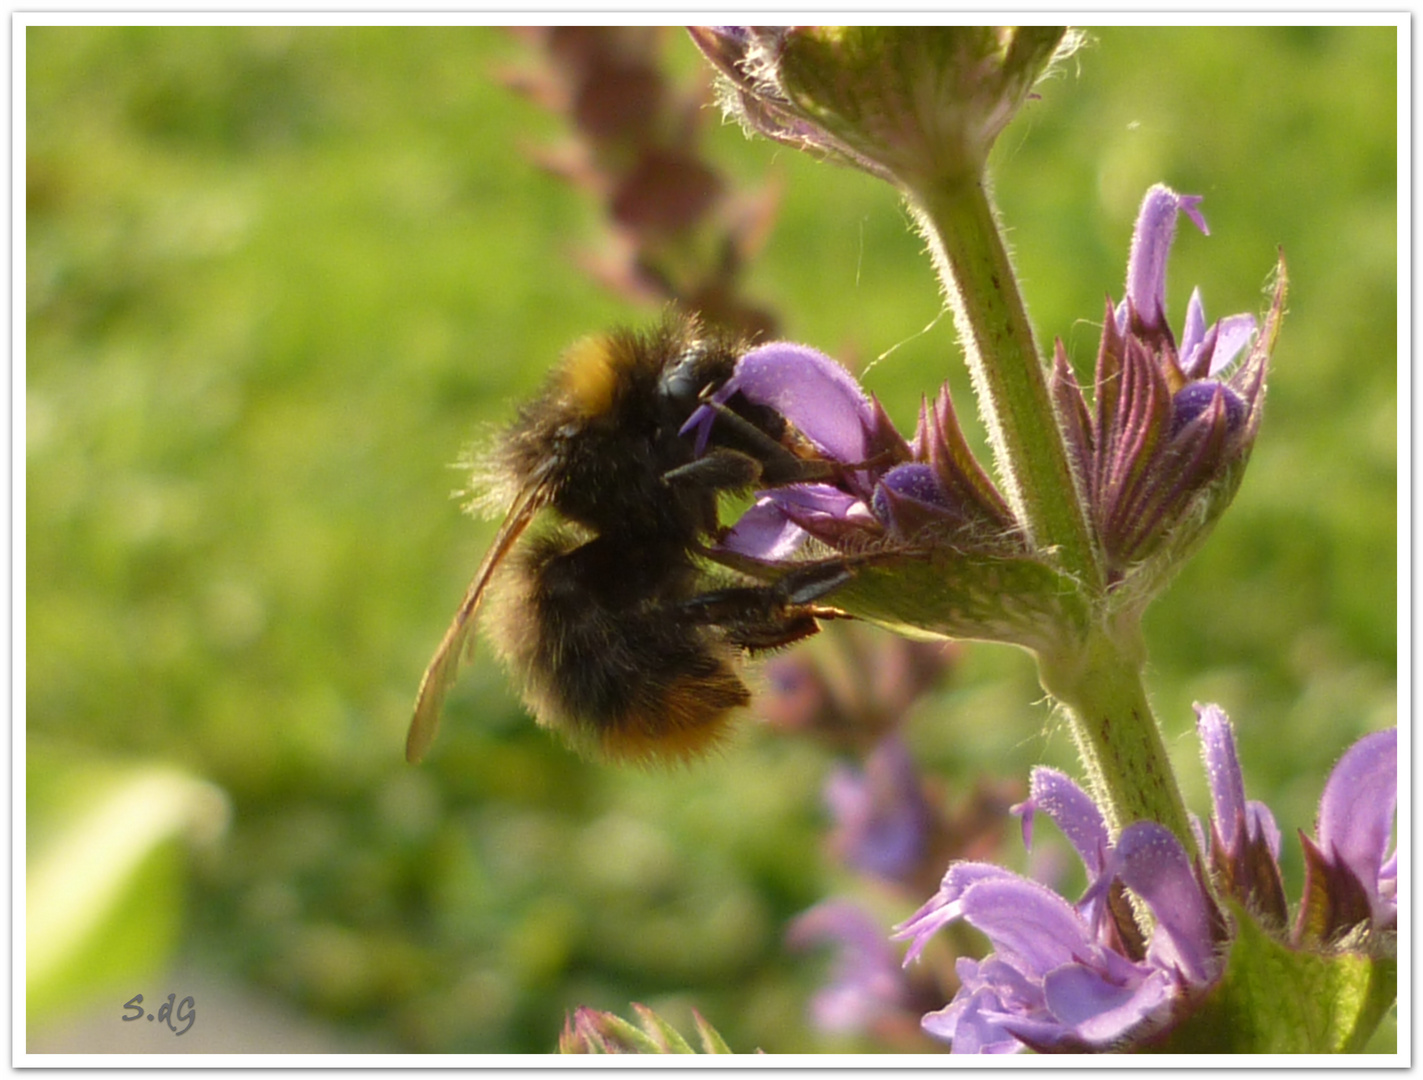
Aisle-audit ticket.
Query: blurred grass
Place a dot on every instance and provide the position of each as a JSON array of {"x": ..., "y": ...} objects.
[{"x": 277, "y": 277}]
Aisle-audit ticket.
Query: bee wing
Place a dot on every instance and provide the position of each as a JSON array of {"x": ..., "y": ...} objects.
[{"x": 443, "y": 669}]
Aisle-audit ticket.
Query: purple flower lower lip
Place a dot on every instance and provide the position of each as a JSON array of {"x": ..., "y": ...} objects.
[
  {"x": 1028, "y": 923},
  {"x": 775, "y": 527},
  {"x": 764, "y": 532},
  {"x": 1049, "y": 983},
  {"x": 944, "y": 906},
  {"x": 1101, "y": 1011}
]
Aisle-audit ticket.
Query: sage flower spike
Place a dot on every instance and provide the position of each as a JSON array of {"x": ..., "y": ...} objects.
[{"x": 1163, "y": 447}]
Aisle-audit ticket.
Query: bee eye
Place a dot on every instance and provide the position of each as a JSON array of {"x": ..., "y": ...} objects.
[{"x": 683, "y": 381}]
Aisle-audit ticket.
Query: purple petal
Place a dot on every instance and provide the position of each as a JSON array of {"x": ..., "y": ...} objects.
[
  {"x": 812, "y": 391},
  {"x": 1223, "y": 774},
  {"x": 773, "y": 528},
  {"x": 1388, "y": 881},
  {"x": 1028, "y": 923},
  {"x": 1025, "y": 810},
  {"x": 1213, "y": 350},
  {"x": 1150, "y": 247},
  {"x": 1260, "y": 822},
  {"x": 866, "y": 982},
  {"x": 1043, "y": 1033},
  {"x": 701, "y": 420},
  {"x": 1154, "y": 865},
  {"x": 1191, "y": 207},
  {"x": 972, "y": 1023},
  {"x": 1235, "y": 333},
  {"x": 944, "y": 906},
  {"x": 1014, "y": 989},
  {"x": 1074, "y": 812},
  {"x": 1356, "y": 810},
  {"x": 1193, "y": 333},
  {"x": 1098, "y": 1011},
  {"x": 764, "y": 532},
  {"x": 881, "y": 818},
  {"x": 820, "y": 506}
]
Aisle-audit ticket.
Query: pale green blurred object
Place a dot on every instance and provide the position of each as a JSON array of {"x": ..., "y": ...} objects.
[{"x": 103, "y": 888}]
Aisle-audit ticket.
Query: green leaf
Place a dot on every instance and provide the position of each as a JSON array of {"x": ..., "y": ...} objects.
[
  {"x": 712, "y": 1042},
  {"x": 592, "y": 1031},
  {"x": 943, "y": 591},
  {"x": 1277, "y": 1000},
  {"x": 623, "y": 1038},
  {"x": 667, "y": 1037}
]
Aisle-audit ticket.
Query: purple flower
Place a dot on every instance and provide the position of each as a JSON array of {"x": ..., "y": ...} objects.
[
  {"x": 1351, "y": 877},
  {"x": 1068, "y": 978},
  {"x": 1245, "y": 841},
  {"x": 1171, "y": 423},
  {"x": 867, "y": 984},
  {"x": 1072, "y": 978},
  {"x": 828, "y": 408},
  {"x": 824, "y": 401},
  {"x": 931, "y": 488},
  {"x": 882, "y": 820},
  {"x": 1160, "y": 453}
]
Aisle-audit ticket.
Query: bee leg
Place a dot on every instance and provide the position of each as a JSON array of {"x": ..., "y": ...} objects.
[
  {"x": 758, "y": 617},
  {"x": 799, "y": 588},
  {"x": 813, "y": 581},
  {"x": 719, "y": 470},
  {"x": 779, "y": 466}
]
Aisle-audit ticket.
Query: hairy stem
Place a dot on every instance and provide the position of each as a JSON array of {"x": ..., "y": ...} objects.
[
  {"x": 1009, "y": 379},
  {"x": 1117, "y": 735}
]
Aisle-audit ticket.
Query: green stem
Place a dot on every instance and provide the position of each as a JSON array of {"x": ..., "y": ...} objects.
[
  {"x": 1009, "y": 379},
  {"x": 1097, "y": 677},
  {"x": 1117, "y": 735}
]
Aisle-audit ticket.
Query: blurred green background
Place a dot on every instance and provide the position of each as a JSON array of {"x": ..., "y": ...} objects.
[{"x": 278, "y": 277}]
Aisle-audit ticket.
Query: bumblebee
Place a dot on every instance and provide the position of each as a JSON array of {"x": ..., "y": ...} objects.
[{"x": 602, "y": 612}]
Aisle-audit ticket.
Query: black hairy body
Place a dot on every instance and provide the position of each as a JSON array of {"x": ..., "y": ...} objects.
[{"x": 604, "y": 615}]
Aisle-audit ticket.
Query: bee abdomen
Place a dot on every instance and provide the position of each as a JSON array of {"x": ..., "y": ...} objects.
[{"x": 614, "y": 668}]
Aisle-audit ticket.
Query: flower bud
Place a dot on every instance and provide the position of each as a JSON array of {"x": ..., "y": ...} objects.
[
  {"x": 1162, "y": 449},
  {"x": 909, "y": 104}
]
